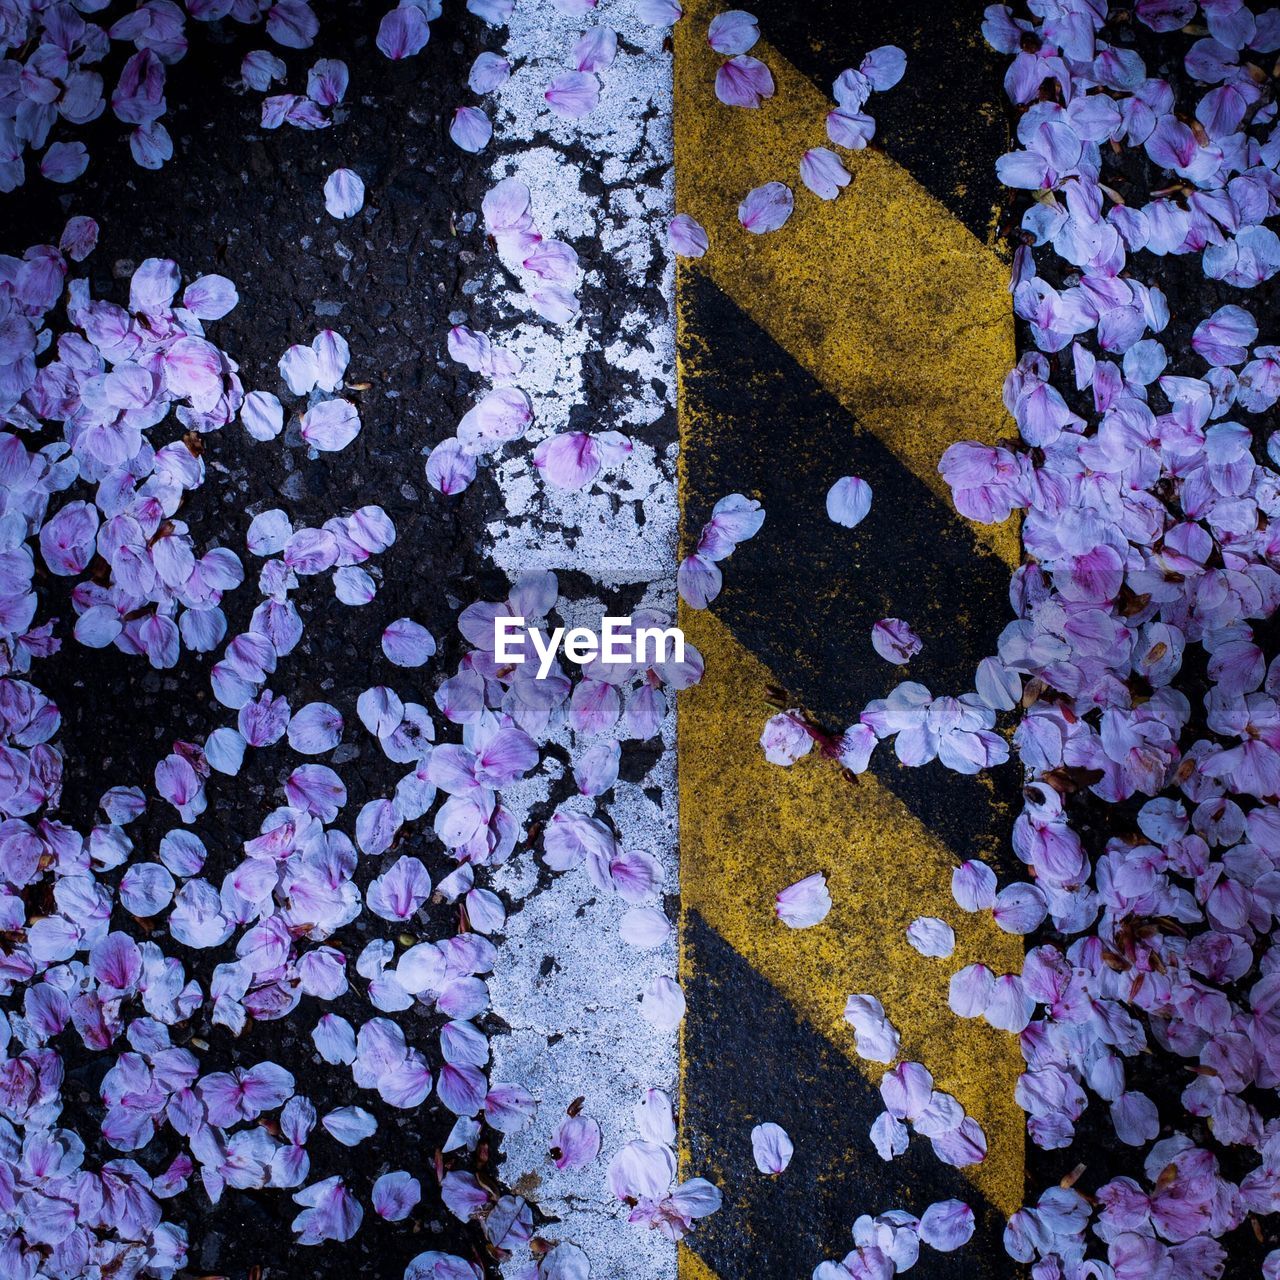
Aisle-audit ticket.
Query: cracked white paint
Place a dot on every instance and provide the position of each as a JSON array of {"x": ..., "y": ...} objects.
[
  {"x": 623, "y": 527},
  {"x": 576, "y": 1028}
]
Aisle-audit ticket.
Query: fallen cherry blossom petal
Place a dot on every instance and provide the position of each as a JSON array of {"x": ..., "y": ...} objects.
[
  {"x": 848, "y": 501},
  {"x": 946, "y": 1225},
  {"x": 403, "y": 32},
  {"x": 805, "y": 903},
  {"x": 766, "y": 208},
  {"x": 931, "y": 936},
  {"x": 663, "y": 1004},
  {"x": 594, "y": 50},
  {"x": 771, "y": 1147},
  {"x": 686, "y": 236},
  {"x": 573, "y": 94},
  {"x": 744, "y": 82},
  {"x": 822, "y": 172},
  {"x": 343, "y": 193},
  {"x": 488, "y": 71},
  {"x": 894, "y": 640},
  {"x": 470, "y": 129},
  {"x": 733, "y": 32}
]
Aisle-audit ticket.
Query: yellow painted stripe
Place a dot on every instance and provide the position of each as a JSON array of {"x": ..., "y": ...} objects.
[
  {"x": 691, "y": 1267},
  {"x": 749, "y": 828},
  {"x": 883, "y": 294}
]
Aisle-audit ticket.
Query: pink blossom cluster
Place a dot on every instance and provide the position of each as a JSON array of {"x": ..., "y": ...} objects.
[
  {"x": 1219, "y": 154},
  {"x": 106, "y": 384},
  {"x": 239, "y": 677},
  {"x": 548, "y": 267},
  {"x": 744, "y": 81},
  {"x": 890, "y": 1242},
  {"x": 111, "y": 377},
  {"x": 327, "y": 82},
  {"x": 610, "y": 701},
  {"x": 1137, "y": 645},
  {"x": 594, "y": 712},
  {"x": 116, "y": 373},
  {"x": 607, "y": 701},
  {"x": 643, "y": 1174},
  {"x": 569, "y": 460},
  {"x": 1138, "y": 655},
  {"x": 508, "y": 712},
  {"x": 330, "y": 422},
  {"x": 49, "y": 55},
  {"x": 734, "y": 519},
  {"x": 911, "y": 1100}
]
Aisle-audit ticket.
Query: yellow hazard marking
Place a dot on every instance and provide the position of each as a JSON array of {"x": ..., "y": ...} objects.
[
  {"x": 903, "y": 315},
  {"x": 691, "y": 1267},
  {"x": 749, "y": 828},
  {"x": 883, "y": 295}
]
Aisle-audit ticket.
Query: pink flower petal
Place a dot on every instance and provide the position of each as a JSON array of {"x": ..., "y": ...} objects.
[
  {"x": 343, "y": 193},
  {"x": 804, "y": 903},
  {"x": 733, "y": 32},
  {"x": 771, "y": 1147},
  {"x": 766, "y": 208},
  {"x": 686, "y": 236}
]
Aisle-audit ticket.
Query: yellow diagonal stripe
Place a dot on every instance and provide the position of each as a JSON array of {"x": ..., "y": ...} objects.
[
  {"x": 692, "y": 1267},
  {"x": 883, "y": 294},
  {"x": 749, "y": 828}
]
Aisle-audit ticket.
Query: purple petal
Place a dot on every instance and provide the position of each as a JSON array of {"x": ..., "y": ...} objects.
[
  {"x": 946, "y": 1225},
  {"x": 884, "y": 67},
  {"x": 850, "y": 129},
  {"x": 744, "y": 82},
  {"x": 576, "y": 1143},
  {"x": 408, "y": 643},
  {"x": 330, "y": 425},
  {"x": 262, "y": 415},
  {"x": 658, "y": 13},
  {"x": 450, "y": 468},
  {"x": 894, "y": 640},
  {"x": 64, "y": 161},
  {"x": 805, "y": 903},
  {"x": 686, "y": 236},
  {"x": 698, "y": 580},
  {"x": 400, "y": 891},
  {"x": 396, "y": 1195},
  {"x": 733, "y": 32},
  {"x": 771, "y": 1147},
  {"x": 568, "y": 461},
  {"x": 822, "y": 172},
  {"x": 663, "y": 1004},
  {"x": 595, "y": 50},
  {"x": 403, "y": 32},
  {"x": 470, "y": 129},
  {"x": 343, "y": 193},
  {"x": 848, "y": 501},
  {"x": 931, "y": 936},
  {"x": 766, "y": 208},
  {"x": 488, "y": 71},
  {"x": 573, "y": 94},
  {"x": 210, "y": 297}
]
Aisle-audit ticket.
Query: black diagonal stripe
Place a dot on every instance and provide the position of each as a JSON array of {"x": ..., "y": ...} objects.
[
  {"x": 803, "y": 594},
  {"x": 749, "y": 1058},
  {"x": 945, "y": 120}
]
